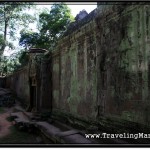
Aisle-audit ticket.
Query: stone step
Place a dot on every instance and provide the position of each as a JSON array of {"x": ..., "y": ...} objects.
[
  {"x": 4, "y": 91},
  {"x": 29, "y": 115},
  {"x": 52, "y": 132},
  {"x": 20, "y": 118},
  {"x": 75, "y": 139},
  {"x": 66, "y": 133},
  {"x": 19, "y": 108},
  {"x": 22, "y": 122},
  {"x": 57, "y": 136},
  {"x": 72, "y": 137},
  {"x": 18, "y": 115},
  {"x": 49, "y": 130}
]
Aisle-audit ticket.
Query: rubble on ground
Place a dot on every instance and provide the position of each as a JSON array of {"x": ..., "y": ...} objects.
[{"x": 6, "y": 98}]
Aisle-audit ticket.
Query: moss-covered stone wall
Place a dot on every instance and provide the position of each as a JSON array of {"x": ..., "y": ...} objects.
[
  {"x": 124, "y": 62},
  {"x": 74, "y": 72},
  {"x": 101, "y": 68},
  {"x": 19, "y": 84}
]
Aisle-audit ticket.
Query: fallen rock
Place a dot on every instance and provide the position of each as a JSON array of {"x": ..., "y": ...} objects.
[
  {"x": 39, "y": 139},
  {"x": 6, "y": 98}
]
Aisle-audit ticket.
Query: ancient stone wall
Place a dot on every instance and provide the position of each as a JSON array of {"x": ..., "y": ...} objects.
[
  {"x": 19, "y": 84},
  {"x": 101, "y": 67},
  {"x": 2, "y": 82},
  {"x": 74, "y": 70},
  {"x": 123, "y": 63}
]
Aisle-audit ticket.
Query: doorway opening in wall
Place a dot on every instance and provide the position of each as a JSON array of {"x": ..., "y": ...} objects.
[{"x": 33, "y": 97}]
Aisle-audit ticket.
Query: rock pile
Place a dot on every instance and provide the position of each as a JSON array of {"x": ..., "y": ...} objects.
[{"x": 6, "y": 98}]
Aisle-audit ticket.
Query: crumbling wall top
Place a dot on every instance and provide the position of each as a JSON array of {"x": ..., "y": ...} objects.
[
  {"x": 81, "y": 15},
  {"x": 81, "y": 19},
  {"x": 37, "y": 50}
]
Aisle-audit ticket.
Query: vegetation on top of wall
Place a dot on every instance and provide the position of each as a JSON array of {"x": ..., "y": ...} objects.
[
  {"x": 11, "y": 17},
  {"x": 51, "y": 26}
]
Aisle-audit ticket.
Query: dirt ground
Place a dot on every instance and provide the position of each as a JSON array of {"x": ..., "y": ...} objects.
[
  {"x": 9, "y": 134},
  {"x": 4, "y": 124}
]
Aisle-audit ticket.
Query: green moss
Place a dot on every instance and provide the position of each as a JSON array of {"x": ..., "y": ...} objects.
[
  {"x": 56, "y": 67},
  {"x": 128, "y": 96},
  {"x": 94, "y": 86},
  {"x": 132, "y": 116},
  {"x": 112, "y": 91},
  {"x": 74, "y": 98},
  {"x": 56, "y": 96}
]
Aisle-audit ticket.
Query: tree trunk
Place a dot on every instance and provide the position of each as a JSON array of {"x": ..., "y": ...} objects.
[{"x": 5, "y": 33}]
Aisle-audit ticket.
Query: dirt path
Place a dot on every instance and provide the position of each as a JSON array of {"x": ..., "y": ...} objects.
[
  {"x": 9, "y": 134},
  {"x": 4, "y": 124}
]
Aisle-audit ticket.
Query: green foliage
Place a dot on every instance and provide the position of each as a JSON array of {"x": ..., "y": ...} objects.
[
  {"x": 55, "y": 23},
  {"x": 32, "y": 39},
  {"x": 12, "y": 16},
  {"x": 3, "y": 65},
  {"x": 23, "y": 58},
  {"x": 2, "y": 42},
  {"x": 51, "y": 26},
  {"x": 28, "y": 39},
  {"x": 10, "y": 64},
  {"x": 17, "y": 61}
]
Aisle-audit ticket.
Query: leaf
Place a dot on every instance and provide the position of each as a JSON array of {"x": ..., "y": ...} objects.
[{"x": 12, "y": 16}]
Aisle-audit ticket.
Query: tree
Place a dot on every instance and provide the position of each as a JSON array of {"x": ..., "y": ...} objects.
[
  {"x": 55, "y": 23},
  {"x": 52, "y": 25},
  {"x": 3, "y": 68},
  {"x": 28, "y": 39},
  {"x": 13, "y": 62},
  {"x": 23, "y": 58},
  {"x": 1, "y": 41},
  {"x": 12, "y": 16}
]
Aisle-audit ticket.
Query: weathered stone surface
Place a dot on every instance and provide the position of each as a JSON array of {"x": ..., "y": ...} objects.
[
  {"x": 56, "y": 134},
  {"x": 50, "y": 129},
  {"x": 6, "y": 98},
  {"x": 2, "y": 82},
  {"x": 81, "y": 15},
  {"x": 4, "y": 92},
  {"x": 76, "y": 139},
  {"x": 109, "y": 65},
  {"x": 19, "y": 117},
  {"x": 39, "y": 139},
  {"x": 100, "y": 68},
  {"x": 18, "y": 83},
  {"x": 67, "y": 133}
]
